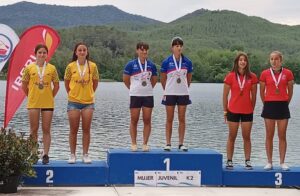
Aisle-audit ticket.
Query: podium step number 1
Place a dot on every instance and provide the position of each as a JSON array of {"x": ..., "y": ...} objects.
[{"x": 167, "y": 178}]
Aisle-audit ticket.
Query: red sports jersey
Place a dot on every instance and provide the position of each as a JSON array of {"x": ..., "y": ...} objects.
[
  {"x": 240, "y": 102},
  {"x": 270, "y": 92}
]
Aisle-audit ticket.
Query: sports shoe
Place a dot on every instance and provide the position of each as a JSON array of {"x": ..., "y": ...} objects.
[
  {"x": 181, "y": 147},
  {"x": 45, "y": 159},
  {"x": 269, "y": 166},
  {"x": 167, "y": 147},
  {"x": 229, "y": 164},
  {"x": 145, "y": 148},
  {"x": 284, "y": 167},
  {"x": 133, "y": 148},
  {"x": 72, "y": 159},
  {"x": 86, "y": 159},
  {"x": 248, "y": 165}
]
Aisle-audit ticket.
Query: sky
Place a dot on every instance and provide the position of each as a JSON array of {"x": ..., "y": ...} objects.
[{"x": 276, "y": 11}]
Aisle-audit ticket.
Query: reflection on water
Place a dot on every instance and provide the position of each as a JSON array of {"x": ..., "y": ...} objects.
[{"x": 205, "y": 124}]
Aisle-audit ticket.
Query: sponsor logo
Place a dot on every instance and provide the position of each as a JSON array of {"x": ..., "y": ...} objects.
[{"x": 6, "y": 47}]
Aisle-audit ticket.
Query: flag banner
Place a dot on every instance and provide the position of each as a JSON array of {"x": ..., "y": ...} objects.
[
  {"x": 22, "y": 56},
  {"x": 8, "y": 41}
]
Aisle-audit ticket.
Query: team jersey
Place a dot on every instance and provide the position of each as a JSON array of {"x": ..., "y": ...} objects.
[
  {"x": 81, "y": 89},
  {"x": 176, "y": 83},
  {"x": 40, "y": 97},
  {"x": 240, "y": 101},
  {"x": 271, "y": 94},
  {"x": 140, "y": 81}
]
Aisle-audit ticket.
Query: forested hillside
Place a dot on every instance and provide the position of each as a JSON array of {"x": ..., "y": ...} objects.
[{"x": 211, "y": 41}]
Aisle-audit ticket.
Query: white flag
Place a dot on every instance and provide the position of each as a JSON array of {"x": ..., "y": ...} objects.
[{"x": 8, "y": 41}]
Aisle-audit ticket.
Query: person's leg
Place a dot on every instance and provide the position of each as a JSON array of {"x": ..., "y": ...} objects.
[
  {"x": 282, "y": 127},
  {"x": 233, "y": 129},
  {"x": 169, "y": 123},
  {"x": 181, "y": 119},
  {"x": 246, "y": 133},
  {"x": 270, "y": 130},
  {"x": 134, "y": 119},
  {"x": 87, "y": 116},
  {"x": 34, "y": 119},
  {"x": 74, "y": 120},
  {"x": 46, "y": 126},
  {"x": 147, "y": 112}
]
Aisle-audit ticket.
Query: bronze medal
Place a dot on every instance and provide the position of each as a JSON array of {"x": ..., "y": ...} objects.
[
  {"x": 178, "y": 80},
  {"x": 144, "y": 83},
  {"x": 41, "y": 86},
  {"x": 277, "y": 91},
  {"x": 241, "y": 93}
]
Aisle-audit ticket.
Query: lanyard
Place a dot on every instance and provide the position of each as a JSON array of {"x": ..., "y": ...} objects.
[
  {"x": 241, "y": 84},
  {"x": 141, "y": 67},
  {"x": 41, "y": 75},
  {"x": 279, "y": 78},
  {"x": 81, "y": 73},
  {"x": 178, "y": 68}
]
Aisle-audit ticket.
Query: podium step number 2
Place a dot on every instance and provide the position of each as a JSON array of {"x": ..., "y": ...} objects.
[{"x": 167, "y": 178}]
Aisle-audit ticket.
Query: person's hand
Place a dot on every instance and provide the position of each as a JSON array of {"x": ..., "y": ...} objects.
[{"x": 225, "y": 116}]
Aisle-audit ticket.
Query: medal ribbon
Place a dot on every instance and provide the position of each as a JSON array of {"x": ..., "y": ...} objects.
[
  {"x": 81, "y": 73},
  {"x": 279, "y": 78},
  {"x": 178, "y": 68},
  {"x": 143, "y": 71},
  {"x": 41, "y": 75},
  {"x": 241, "y": 84}
]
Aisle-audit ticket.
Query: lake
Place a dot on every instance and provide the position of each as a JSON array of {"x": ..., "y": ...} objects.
[{"x": 205, "y": 124}]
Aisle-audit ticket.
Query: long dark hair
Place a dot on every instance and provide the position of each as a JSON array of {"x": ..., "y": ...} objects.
[
  {"x": 75, "y": 57},
  {"x": 235, "y": 67}
]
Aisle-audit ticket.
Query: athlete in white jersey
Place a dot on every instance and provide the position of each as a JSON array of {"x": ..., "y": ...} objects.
[
  {"x": 176, "y": 77},
  {"x": 140, "y": 77}
]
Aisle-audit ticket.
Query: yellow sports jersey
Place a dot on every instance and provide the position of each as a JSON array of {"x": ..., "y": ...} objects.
[
  {"x": 40, "y": 97},
  {"x": 81, "y": 90}
]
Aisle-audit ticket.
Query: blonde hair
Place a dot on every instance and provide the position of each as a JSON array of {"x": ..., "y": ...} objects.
[{"x": 277, "y": 53}]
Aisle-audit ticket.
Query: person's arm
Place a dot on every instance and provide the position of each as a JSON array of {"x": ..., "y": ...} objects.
[
  {"x": 226, "y": 90},
  {"x": 153, "y": 81},
  {"x": 55, "y": 88},
  {"x": 67, "y": 85},
  {"x": 126, "y": 80},
  {"x": 189, "y": 78},
  {"x": 95, "y": 84},
  {"x": 290, "y": 90},
  {"x": 25, "y": 87},
  {"x": 253, "y": 95},
  {"x": 262, "y": 87},
  {"x": 163, "y": 80}
]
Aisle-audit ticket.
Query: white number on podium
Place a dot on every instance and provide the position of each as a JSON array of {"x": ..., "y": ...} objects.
[
  {"x": 167, "y": 162},
  {"x": 49, "y": 174},
  {"x": 278, "y": 180}
]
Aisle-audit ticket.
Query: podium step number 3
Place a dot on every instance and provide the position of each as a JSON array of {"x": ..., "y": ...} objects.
[{"x": 167, "y": 178}]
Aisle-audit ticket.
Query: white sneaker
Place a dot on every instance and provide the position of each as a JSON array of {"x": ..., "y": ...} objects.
[
  {"x": 269, "y": 166},
  {"x": 167, "y": 147},
  {"x": 284, "y": 167},
  {"x": 72, "y": 159},
  {"x": 182, "y": 148},
  {"x": 146, "y": 148},
  {"x": 133, "y": 147},
  {"x": 86, "y": 159}
]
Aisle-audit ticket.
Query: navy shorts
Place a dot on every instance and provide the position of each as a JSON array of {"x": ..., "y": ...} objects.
[
  {"x": 79, "y": 106},
  {"x": 141, "y": 101},
  {"x": 276, "y": 110},
  {"x": 237, "y": 117},
  {"x": 172, "y": 100}
]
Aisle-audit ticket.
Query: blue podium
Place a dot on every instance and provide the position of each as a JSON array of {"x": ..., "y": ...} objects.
[
  {"x": 259, "y": 177},
  {"x": 122, "y": 164},
  {"x": 60, "y": 173}
]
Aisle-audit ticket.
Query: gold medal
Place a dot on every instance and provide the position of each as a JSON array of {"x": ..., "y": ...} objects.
[{"x": 277, "y": 91}]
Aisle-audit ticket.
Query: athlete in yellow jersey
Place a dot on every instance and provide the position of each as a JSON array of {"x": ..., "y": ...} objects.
[
  {"x": 81, "y": 82},
  {"x": 36, "y": 84}
]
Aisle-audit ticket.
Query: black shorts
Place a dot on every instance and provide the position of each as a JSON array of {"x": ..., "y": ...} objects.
[
  {"x": 172, "y": 100},
  {"x": 237, "y": 117},
  {"x": 276, "y": 110},
  {"x": 139, "y": 101}
]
